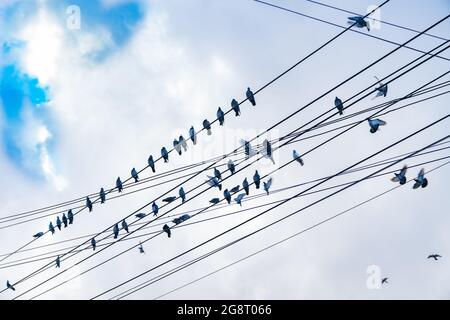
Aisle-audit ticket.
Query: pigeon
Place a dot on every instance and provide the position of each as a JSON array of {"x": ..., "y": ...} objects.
[
  {"x": 267, "y": 185},
  {"x": 10, "y": 286},
  {"x": 151, "y": 163},
  {"x": 64, "y": 220},
  {"x": 245, "y": 186},
  {"x": 102, "y": 195},
  {"x": 58, "y": 223},
  {"x": 166, "y": 229},
  {"x": 181, "y": 219},
  {"x": 93, "y": 244},
  {"x": 235, "y": 107},
  {"x": 248, "y": 149},
  {"x": 214, "y": 182},
  {"x": 182, "y": 194},
  {"x": 217, "y": 174},
  {"x": 231, "y": 166},
  {"x": 183, "y": 143},
  {"x": 140, "y": 215},
  {"x": 401, "y": 176},
  {"x": 220, "y": 116},
  {"x": 214, "y": 200},
  {"x": 51, "y": 228},
  {"x": 125, "y": 226},
  {"x": 116, "y": 231},
  {"x": 268, "y": 150},
  {"x": 193, "y": 135},
  {"x": 155, "y": 208},
  {"x": 434, "y": 256},
  {"x": 169, "y": 199},
  {"x": 420, "y": 181},
  {"x": 382, "y": 89},
  {"x": 375, "y": 124},
  {"x": 134, "y": 174},
  {"x": 297, "y": 157},
  {"x": 89, "y": 204},
  {"x": 339, "y": 105},
  {"x": 38, "y": 235},
  {"x": 119, "y": 184},
  {"x": 384, "y": 280},
  {"x": 235, "y": 189},
  {"x": 141, "y": 248},
  {"x": 176, "y": 146},
  {"x": 239, "y": 198},
  {"x": 227, "y": 195},
  {"x": 359, "y": 22},
  {"x": 250, "y": 97},
  {"x": 207, "y": 126},
  {"x": 164, "y": 154},
  {"x": 70, "y": 216},
  {"x": 58, "y": 262},
  {"x": 256, "y": 179}
]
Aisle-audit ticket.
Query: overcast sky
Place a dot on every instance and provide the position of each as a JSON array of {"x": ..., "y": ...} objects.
[{"x": 81, "y": 106}]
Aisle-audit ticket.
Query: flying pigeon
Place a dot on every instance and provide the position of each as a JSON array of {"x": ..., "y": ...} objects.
[
  {"x": 401, "y": 176},
  {"x": 231, "y": 166},
  {"x": 119, "y": 184},
  {"x": 93, "y": 244},
  {"x": 207, "y": 126},
  {"x": 64, "y": 220},
  {"x": 70, "y": 216},
  {"x": 193, "y": 135},
  {"x": 182, "y": 194},
  {"x": 267, "y": 185},
  {"x": 382, "y": 89},
  {"x": 268, "y": 150},
  {"x": 214, "y": 200},
  {"x": 297, "y": 157},
  {"x": 89, "y": 204},
  {"x": 220, "y": 116},
  {"x": 155, "y": 208},
  {"x": 164, "y": 154},
  {"x": 339, "y": 105},
  {"x": 248, "y": 149},
  {"x": 183, "y": 143},
  {"x": 245, "y": 186},
  {"x": 151, "y": 163},
  {"x": 235, "y": 189},
  {"x": 214, "y": 182},
  {"x": 384, "y": 280},
  {"x": 125, "y": 226},
  {"x": 58, "y": 223},
  {"x": 134, "y": 174},
  {"x": 38, "y": 235},
  {"x": 102, "y": 195},
  {"x": 10, "y": 286},
  {"x": 166, "y": 229},
  {"x": 58, "y": 262},
  {"x": 434, "y": 256},
  {"x": 141, "y": 248},
  {"x": 169, "y": 199},
  {"x": 177, "y": 146},
  {"x": 359, "y": 22},
  {"x": 375, "y": 124},
  {"x": 235, "y": 107},
  {"x": 217, "y": 174},
  {"x": 227, "y": 195},
  {"x": 420, "y": 181},
  {"x": 239, "y": 198},
  {"x": 256, "y": 179},
  {"x": 51, "y": 228},
  {"x": 140, "y": 215},
  {"x": 250, "y": 97},
  {"x": 116, "y": 231}
]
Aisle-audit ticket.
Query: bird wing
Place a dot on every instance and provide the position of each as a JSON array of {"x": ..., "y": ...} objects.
[
  {"x": 421, "y": 173},
  {"x": 403, "y": 171}
]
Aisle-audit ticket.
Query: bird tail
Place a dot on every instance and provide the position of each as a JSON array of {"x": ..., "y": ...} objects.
[{"x": 341, "y": 112}]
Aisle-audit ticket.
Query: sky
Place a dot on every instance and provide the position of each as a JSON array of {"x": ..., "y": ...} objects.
[{"x": 89, "y": 89}]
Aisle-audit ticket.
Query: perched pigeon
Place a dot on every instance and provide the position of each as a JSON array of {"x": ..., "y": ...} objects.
[
  {"x": 231, "y": 166},
  {"x": 183, "y": 143},
  {"x": 382, "y": 89},
  {"x": 141, "y": 248},
  {"x": 250, "y": 97},
  {"x": 214, "y": 182},
  {"x": 248, "y": 149},
  {"x": 169, "y": 199},
  {"x": 140, "y": 215},
  {"x": 166, "y": 229},
  {"x": 181, "y": 219},
  {"x": 182, "y": 194},
  {"x": 193, "y": 135},
  {"x": 10, "y": 286},
  {"x": 235, "y": 189},
  {"x": 267, "y": 185},
  {"x": 239, "y": 198},
  {"x": 38, "y": 235},
  {"x": 116, "y": 231},
  {"x": 64, "y": 220},
  {"x": 58, "y": 223},
  {"x": 177, "y": 146},
  {"x": 267, "y": 150},
  {"x": 93, "y": 244},
  {"x": 70, "y": 216},
  {"x": 134, "y": 174},
  {"x": 119, "y": 184},
  {"x": 155, "y": 208},
  {"x": 125, "y": 226},
  {"x": 214, "y": 200},
  {"x": 58, "y": 262},
  {"x": 102, "y": 195},
  {"x": 384, "y": 280},
  {"x": 235, "y": 107},
  {"x": 207, "y": 126},
  {"x": 51, "y": 228},
  {"x": 217, "y": 174},
  {"x": 220, "y": 116},
  {"x": 401, "y": 176},
  {"x": 151, "y": 163},
  {"x": 420, "y": 181},
  {"x": 434, "y": 256},
  {"x": 245, "y": 186},
  {"x": 375, "y": 124},
  {"x": 89, "y": 204},
  {"x": 339, "y": 105},
  {"x": 359, "y": 22},
  {"x": 297, "y": 157},
  {"x": 256, "y": 179},
  {"x": 227, "y": 195},
  {"x": 164, "y": 154}
]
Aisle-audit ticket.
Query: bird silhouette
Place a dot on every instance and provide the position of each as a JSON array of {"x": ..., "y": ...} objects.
[
  {"x": 220, "y": 116},
  {"x": 70, "y": 216},
  {"x": 193, "y": 135},
  {"x": 119, "y": 184},
  {"x": 134, "y": 175},
  {"x": 359, "y": 22},
  {"x": 384, "y": 280},
  {"x": 177, "y": 146},
  {"x": 182, "y": 194},
  {"x": 166, "y": 229},
  {"x": 267, "y": 185},
  {"x": 297, "y": 157},
  {"x": 64, "y": 220},
  {"x": 93, "y": 244},
  {"x": 267, "y": 150},
  {"x": 375, "y": 124},
  {"x": 89, "y": 204},
  {"x": 250, "y": 97},
  {"x": 235, "y": 107},
  {"x": 125, "y": 226},
  {"x": 339, "y": 105},
  {"x": 102, "y": 195},
  {"x": 239, "y": 198},
  {"x": 10, "y": 286},
  {"x": 169, "y": 199},
  {"x": 38, "y": 235},
  {"x": 434, "y": 256},
  {"x": 183, "y": 143},
  {"x": 420, "y": 181},
  {"x": 51, "y": 228},
  {"x": 155, "y": 208},
  {"x": 217, "y": 174},
  {"x": 231, "y": 166},
  {"x": 58, "y": 262},
  {"x": 227, "y": 195},
  {"x": 382, "y": 89},
  {"x": 214, "y": 200},
  {"x": 248, "y": 149},
  {"x": 141, "y": 248},
  {"x": 140, "y": 215},
  {"x": 116, "y": 231},
  {"x": 165, "y": 154},
  {"x": 151, "y": 163},
  {"x": 207, "y": 126},
  {"x": 245, "y": 186},
  {"x": 256, "y": 179},
  {"x": 214, "y": 182},
  {"x": 58, "y": 223},
  {"x": 235, "y": 189},
  {"x": 401, "y": 176}
]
